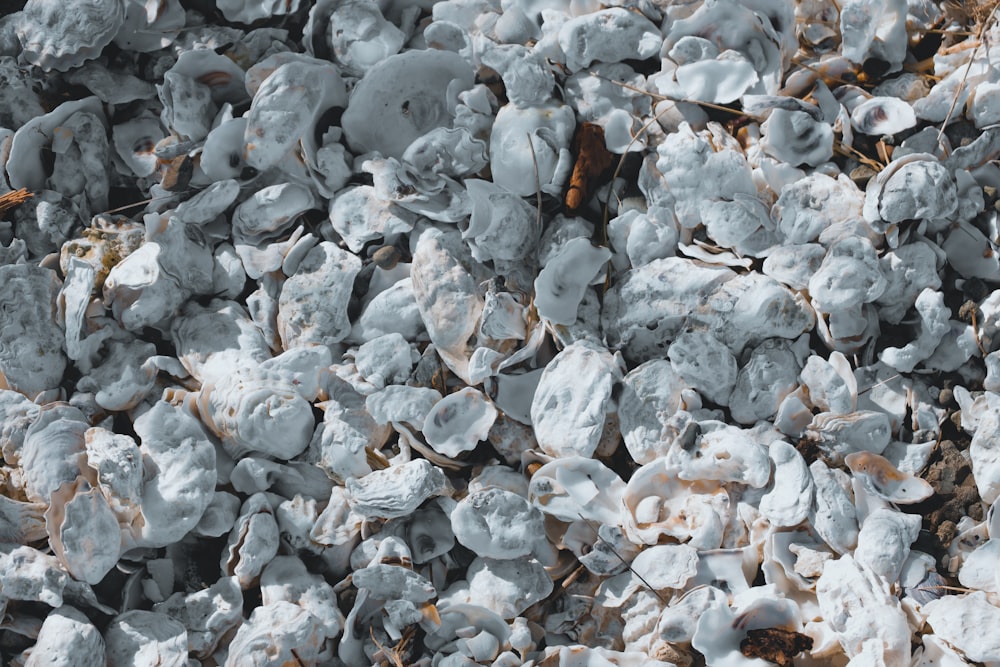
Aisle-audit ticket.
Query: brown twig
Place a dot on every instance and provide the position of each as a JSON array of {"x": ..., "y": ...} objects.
[{"x": 9, "y": 200}]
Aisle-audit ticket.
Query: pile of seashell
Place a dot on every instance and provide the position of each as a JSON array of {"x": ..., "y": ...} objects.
[{"x": 500, "y": 332}]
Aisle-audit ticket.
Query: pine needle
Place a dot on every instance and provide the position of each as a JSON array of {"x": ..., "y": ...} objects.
[{"x": 9, "y": 200}]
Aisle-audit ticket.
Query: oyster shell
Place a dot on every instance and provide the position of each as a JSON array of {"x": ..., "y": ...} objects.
[{"x": 64, "y": 37}]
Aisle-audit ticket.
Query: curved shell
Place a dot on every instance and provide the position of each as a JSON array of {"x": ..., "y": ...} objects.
[
  {"x": 720, "y": 452},
  {"x": 507, "y": 587},
  {"x": 797, "y": 138},
  {"x": 562, "y": 282},
  {"x": 282, "y": 633},
  {"x": 790, "y": 499},
  {"x": 884, "y": 541},
  {"x": 880, "y": 116},
  {"x": 667, "y": 565},
  {"x": 459, "y": 421},
  {"x": 207, "y": 614},
  {"x": 65, "y": 632},
  {"x": 657, "y": 503},
  {"x": 914, "y": 186},
  {"x": 403, "y": 97},
  {"x": 83, "y": 531},
  {"x": 884, "y": 480},
  {"x": 63, "y": 36},
  {"x": 572, "y": 487},
  {"x": 270, "y": 211}
]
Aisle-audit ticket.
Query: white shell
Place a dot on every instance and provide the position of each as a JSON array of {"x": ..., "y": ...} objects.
[
  {"x": 459, "y": 421},
  {"x": 720, "y": 452},
  {"x": 146, "y": 637},
  {"x": 507, "y": 587},
  {"x": 529, "y": 148},
  {"x": 402, "y": 97},
  {"x": 573, "y": 487},
  {"x": 312, "y": 306},
  {"x": 282, "y": 632},
  {"x": 914, "y": 186},
  {"x": 31, "y": 338},
  {"x": 609, "y": 36},
  {"x": 879, "y": 116},
  {"x": 790, "y": 499},
  {"x": 560, "y": 285},
  {"x": 66, "y": 632},
  {"x": 657, "y": 503},
  {"x": 769, "y": 375},
  {"x": 966, "y": 622},
  {"x": 652, "y": 393},
  {"x": 667, "y": 565},
  {"x": 396, "y": 491},
  {"x": 61, "y": 38},
  {"x": 207, "y": 614},
  {"x": 502, "y": 226},
  {"x": 797, "y": 138},
  {"x": 83, "y": 531},
  {"x": 884, "y": 542},
  {"x": 496, "y": 523},
  {"x": 882, "y": 479},
  {"x": 834, "y": 516},
  {"x": 572, "y": 399},
  {"x": 858, "y": 606}
]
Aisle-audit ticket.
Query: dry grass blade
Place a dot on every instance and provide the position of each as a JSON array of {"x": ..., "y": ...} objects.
[
  {"x": 9, "y": 200},
  {"x": 983, "y": 17}
]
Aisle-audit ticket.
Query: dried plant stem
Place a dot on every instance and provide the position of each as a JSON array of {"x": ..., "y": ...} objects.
[
  {"x": 9, "y": 200},
  {"x": 980, "y": 33}
]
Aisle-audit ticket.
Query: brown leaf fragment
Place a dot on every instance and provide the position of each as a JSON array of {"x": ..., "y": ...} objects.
[
  {"x": 592, "y": 160},
  {"x": 775, "y": 645}
]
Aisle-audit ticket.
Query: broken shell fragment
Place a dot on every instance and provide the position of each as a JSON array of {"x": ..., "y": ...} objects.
[{"x": 880, "y": 116}]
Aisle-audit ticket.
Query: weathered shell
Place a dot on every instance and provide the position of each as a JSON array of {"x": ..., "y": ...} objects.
[
  {"x": 496, "y": 523},
  {"x": 32, "y": 356},
  {"x": 666, "y": 566},
  {"x": 840, "y": 435},
  {"x": 966, "y": 623},
  {"x": 797, "y": 138},
  {"x": 459, "y": 421},
  {"x": 705, "y": 364},
  {"x": 212, "y": 340},
  {"x": 657, "y": 503},
  {"x": 286, "y": 578},
  {"x": 834, "y": 516},
  {"x": 884, "y": 542},
  {"x": 53, "y": 450},
  {"x": 280, "y": 632},
  {"x": 769, "y": 375},
  {"x": 507, "y": 587},
  {"x": 173, "y": 501},
  {"x": 609, "y": 36},
  {"x": 286, "y": 107},
  {"x": 652, "y": 393},
  {"x": 63, "y": 37},
  {"x": 572, "y": 400},
  {"x": 146, "y": 637},
  {"x": 83, "y": 531},
  {"x": 573, "y": 487},
  {"x": 529, "y": 147},
  {"x": 560, "y": 285},
  {"x": 252, "y": 543},
  {"x": 858, "y": 606},
  {"x": 401, "y": 98},
  {"x": 880, "y": 116},
  {"x": 206, "y": 614},
  {"x": 385, "y": 360},
  {"x": 914, "y": 186},
  {"x": 312, "y": 306},
  {"x": 790, "y": 498},
  {"x": 67, "y": 637},
  {"x": 395, "y": 491},
  {"x": 718, "y": 451}
]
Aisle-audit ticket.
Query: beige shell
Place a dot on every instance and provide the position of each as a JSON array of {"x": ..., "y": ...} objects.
[
  {"x": 882, "y": 479},
  {"x": 32, "y": 357},
  {"x": 62, "y": 37}
]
